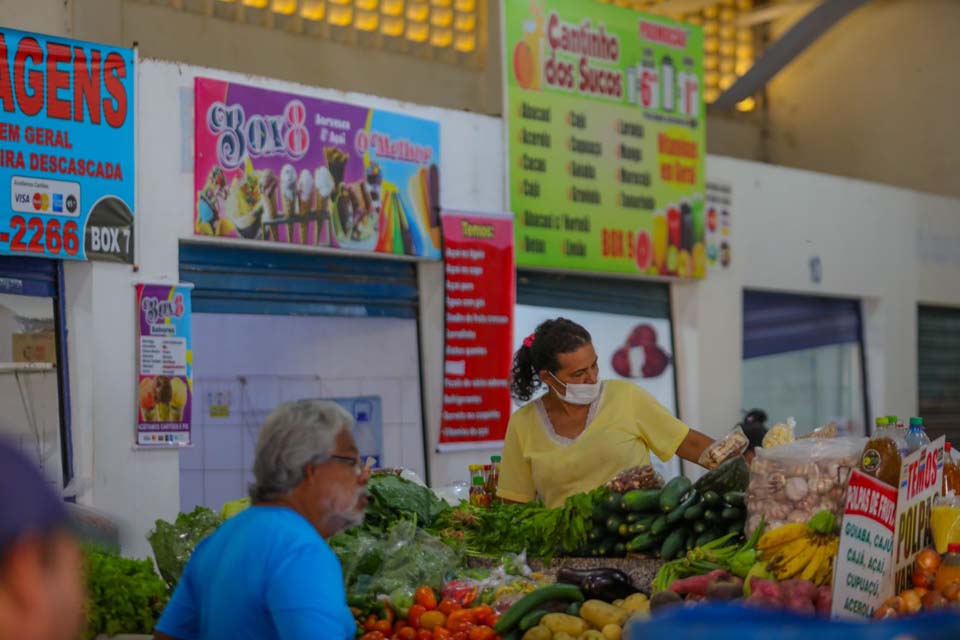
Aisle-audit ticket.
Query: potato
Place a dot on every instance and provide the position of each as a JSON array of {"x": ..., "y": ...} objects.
[
  {"x": 592, "y": 634},
  {"x": 600, "y": 614},
  {"x": 618, "y": 603},
  {"x": 538, "y": 632},
  {"x": 564, "y": 623},
  {"x": 563, "y": 635},
  {"x": 612, "y": 632},
  {"x": 635, "y": 602}
]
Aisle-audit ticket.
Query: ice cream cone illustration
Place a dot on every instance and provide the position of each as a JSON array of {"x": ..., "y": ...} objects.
[
  {"x": 306, "y": 199},
  {"x": 323, "y": 181},
  {"x": 162, "y": 393},
  {"x": 244, "y": 205},
  {"x": 178, "y": 399},
  {"x": 148, "y": 409},
  {"x": 210, "y": 202},
  {"x": 288, "y": 193},
  {"x": 268, "y": 198}
]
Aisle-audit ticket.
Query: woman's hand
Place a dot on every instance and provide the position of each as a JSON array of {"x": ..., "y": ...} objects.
[{"x": 694, "y": 445}]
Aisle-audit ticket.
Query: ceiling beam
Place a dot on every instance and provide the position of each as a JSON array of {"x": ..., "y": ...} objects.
[{"x": 783, "y": 51}]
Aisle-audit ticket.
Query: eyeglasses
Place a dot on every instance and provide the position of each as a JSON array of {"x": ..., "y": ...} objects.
[{"x": 356, "y": 463}]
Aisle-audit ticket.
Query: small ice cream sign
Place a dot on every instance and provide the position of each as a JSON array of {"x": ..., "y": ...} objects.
[
  {"x": 640, "y": 356},
  {"x": 165, "y": 371}
]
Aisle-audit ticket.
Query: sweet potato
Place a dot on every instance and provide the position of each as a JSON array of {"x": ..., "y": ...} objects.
[
  {"x": 799, "y": 589},
  {"x": 769, "y": 589},
  {"x": 697, "y": 584},
  {"x": 824, "y": 600}
]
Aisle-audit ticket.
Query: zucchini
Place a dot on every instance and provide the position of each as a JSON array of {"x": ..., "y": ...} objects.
[
  {"x": 619, "y": 550},
  {"x": 604, "y": 549},
  {"x": 643, "y": 524},
  {"x": 643, "y": 542},
  {"x": 624, "y": 530},
  {"x": 691, "y": 540},
  {"x": 558, "y": 591},
  {"x": 673, "y": 544},
  {"x": 694, "y": 513},
  {"x": 613, "y": 523},
  {"x": 659, "y": 525},
  {"x": 731, "y": 513},
  {"x": 712, "y": 499},
  {"x": 711, "y": 516},
  {"x": 674, "y": 516},
  {"x": 632, "y": 517},
  {"x": 673, "y": 494},
  {"x": 640, "y": 500},
  {"x": 707, "y": 536},
  {"x": 735, "y": 498},
  {"x": 594, "y": 535},
  {"x": 532, "y": 619},
  {"x": 612, "y": 502},
  {"x": 699, "y": 527}
]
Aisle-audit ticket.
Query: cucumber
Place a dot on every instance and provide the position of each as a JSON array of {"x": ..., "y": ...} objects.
[
  {"x": 707, "y": 536},
  {"x": 619, "y": 550},
  {"x": 613, "y": 523},
  {"x": 735, "y": 498},
  {"x": 599, "y": 513},
  {"x": 659, "y": 526},
  {"x": 731, "y": 513},
  {"x": 732, "y": 475},
  {"x": 594, "y": 535},
  {"x": 673, "y": 494},
  {"x": 643, "y": 542},
  {"x": 640, "y": 500},
  {"x": 673, "y": 544},
  {"x": 612, "y": 502},
  {"x": 632, "y": 517},
  {"x": 574, "y": 609},
  {"x": 711, "y": 516},
  {"x": 624, "y": 530},
  {"x": 691, "y": 540},
  {"x": 533, "y": 600},
  {"x": 643, "y": 524},
  {"x": 712, "y": 498},
  {"x": 694, "y": 513},
  {"x": 674, "y": 516},
  {"x": 532, "y": 619},
  {"x": 699, "y": 526}
]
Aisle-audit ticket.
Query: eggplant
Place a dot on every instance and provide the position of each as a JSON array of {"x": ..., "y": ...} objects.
[
  {"x": 606, "y": 588},
  {"x": 570, "y": 575}
]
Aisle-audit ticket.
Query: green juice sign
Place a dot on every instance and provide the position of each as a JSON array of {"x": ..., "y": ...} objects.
[{"x": 606, "y": 139}]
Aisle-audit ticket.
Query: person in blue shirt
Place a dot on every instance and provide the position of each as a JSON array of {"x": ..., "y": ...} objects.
[{"x": 268, "y": 573}]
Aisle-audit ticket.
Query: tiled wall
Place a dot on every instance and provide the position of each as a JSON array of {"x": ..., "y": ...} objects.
[{"x": 292, "y": 358}]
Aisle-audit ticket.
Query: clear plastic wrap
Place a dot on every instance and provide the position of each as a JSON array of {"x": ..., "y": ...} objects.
[
  {"x": 734, "y": 444},
  {"x": 792, "y": 482},
  {"x": 641, "y": 477},
  {"x": 412, "y": 557}
]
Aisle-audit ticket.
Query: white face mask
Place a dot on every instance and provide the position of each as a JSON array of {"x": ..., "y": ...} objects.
[{"x": 579, "y": 393}]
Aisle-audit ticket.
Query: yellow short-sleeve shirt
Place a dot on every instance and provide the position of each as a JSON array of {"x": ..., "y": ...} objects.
[{"x": 624, "y": 425}]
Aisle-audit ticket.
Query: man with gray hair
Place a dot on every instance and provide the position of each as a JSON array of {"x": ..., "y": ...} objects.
[{"x": 268, "y": 572}]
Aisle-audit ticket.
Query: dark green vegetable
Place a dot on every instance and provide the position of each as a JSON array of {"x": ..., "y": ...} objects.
[
  {"x": 736, "y": 527},
  {"x": 613, "y": 523},
  {"x": 573, "y": 609},
  {"x": 673, "y": 543},
  {"x": 532, "y": 619},
  {"x": 640, "y": 500},
  {"x": 659, "y": 525},
  {"x": 712, "y": 499},
  {"x": 613, "y": 501},
  {"x": 533, "y": 600},
  {"x": 632, "y": 517},
  {"x": 642, "y": 542},
  {"x": 673, "y": 493},
  {"x": 694, "y": 513},
  {"x": 619, "y": 550},
  {"x": 711, "y": 516},
  {"x": 708, "y": 536},
  {"x": 674, "y": 516},
  {"x": 643, "y": 524},
  {"x": 126, "y": 596},
  {"x": 732, "y": 475},
  {"x": 731, "y": 513},
  {"x": 699, "y": 526},
  {"x": 735, "y": 498},
  {"x": 691, "y": 540}
]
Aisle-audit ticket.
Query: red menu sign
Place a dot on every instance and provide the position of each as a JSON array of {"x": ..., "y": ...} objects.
[{"x": 479, "y": 294}]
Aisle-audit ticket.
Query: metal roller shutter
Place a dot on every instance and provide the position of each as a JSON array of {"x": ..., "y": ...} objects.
[
  {"x": 938, "y": 371},
  {"x": 609, "y": 295}
]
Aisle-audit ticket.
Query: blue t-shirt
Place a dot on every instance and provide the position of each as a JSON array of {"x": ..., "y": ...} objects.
[{"x": 264, "y": 574}]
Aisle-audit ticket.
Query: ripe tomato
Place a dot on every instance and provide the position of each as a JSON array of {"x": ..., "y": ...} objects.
[
  {"x": 459, "y": 619},
  {"x": 484, "y": 614},
  {"x": 414, "y": 616},
  {"x": 442, "y": 634},
  {"x": 482, "y": 633},
  {"x": 433, "y": 620},
  {"x": 384, "y": 627},
  {"x": 425, "y": 597},
  {"x": 460, "y": 635},
  {"x": 407, "y": 633},
  {"x": 423, "y": 634},
  {"x": 371, "y": 623},
  {"x": 449, "y": 606},
  {"x": 373, "y": 635}
]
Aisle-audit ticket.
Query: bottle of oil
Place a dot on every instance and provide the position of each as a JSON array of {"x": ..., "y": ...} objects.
[
  {"x": 951, "y": 472},
  {"x": 881, "y": 457}
]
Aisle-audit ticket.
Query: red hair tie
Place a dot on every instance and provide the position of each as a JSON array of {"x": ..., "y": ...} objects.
[{"x": 528, "y": 341}]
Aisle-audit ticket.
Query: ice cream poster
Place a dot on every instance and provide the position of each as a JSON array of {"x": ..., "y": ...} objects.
[
  {"x": 165, "y": 366},
  {"x": 290, "y": 169}
]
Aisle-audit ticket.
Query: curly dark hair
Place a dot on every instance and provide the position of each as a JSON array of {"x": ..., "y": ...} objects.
[{"x": 551, "y": 339}]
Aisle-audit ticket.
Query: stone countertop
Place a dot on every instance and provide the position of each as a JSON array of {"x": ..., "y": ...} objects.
[{"x": 641, "y": 569}]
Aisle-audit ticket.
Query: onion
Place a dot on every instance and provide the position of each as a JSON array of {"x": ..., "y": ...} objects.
[{"x": 929, "y": 559}]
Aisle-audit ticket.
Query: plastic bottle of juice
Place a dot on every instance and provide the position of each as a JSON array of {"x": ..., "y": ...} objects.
[
  {"x": 881, "y": 457},
  {"x": 917, "y": 437},
  {"x": 949, "y": 571},
  {"x": 951, "y": 472}
]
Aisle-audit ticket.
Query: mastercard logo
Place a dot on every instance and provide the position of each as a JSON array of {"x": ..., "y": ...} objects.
[{"x": 41, "y": 202}]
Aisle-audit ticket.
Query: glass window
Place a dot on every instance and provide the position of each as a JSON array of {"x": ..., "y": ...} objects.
[{"x": 803, "y": 359}]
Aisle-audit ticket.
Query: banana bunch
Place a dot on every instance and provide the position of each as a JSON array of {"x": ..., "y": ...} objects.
[{"x": 802, "y": 550}]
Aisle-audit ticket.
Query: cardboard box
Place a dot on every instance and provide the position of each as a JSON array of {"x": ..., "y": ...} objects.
[{"x": 35, "y": 347}]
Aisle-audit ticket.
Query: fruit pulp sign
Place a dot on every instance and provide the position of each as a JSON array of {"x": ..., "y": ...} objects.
[
  {"x": 284, "y": 168},
  {"x": 921, "y": 480},
  {"x": 66, "y": 148},
  {"x": 605, "y": 122},
  {"x": 165, "y": 366},
  {"x": 861, "y": 580}
]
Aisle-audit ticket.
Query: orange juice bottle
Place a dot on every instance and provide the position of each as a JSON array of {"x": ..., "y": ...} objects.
[{"x": 949, "y": 571}]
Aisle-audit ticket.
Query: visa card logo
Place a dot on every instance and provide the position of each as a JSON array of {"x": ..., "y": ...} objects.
[{"x": 21, "y": 198}]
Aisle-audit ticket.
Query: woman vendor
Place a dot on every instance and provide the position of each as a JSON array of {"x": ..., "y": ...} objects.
[{"x": 582, "y": 432}]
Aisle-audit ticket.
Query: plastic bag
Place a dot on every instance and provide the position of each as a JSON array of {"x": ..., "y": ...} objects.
[
  {"x": 454, "y": 493},
  {"x": 830, "y": 430},
  {"x": 412, "y": 557},
  {"x": 642, "y": 477},
  {"x": 792, "y": 482},
  {"x": 780, "y": 434},
  {"x": 734, "y": 444}
]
